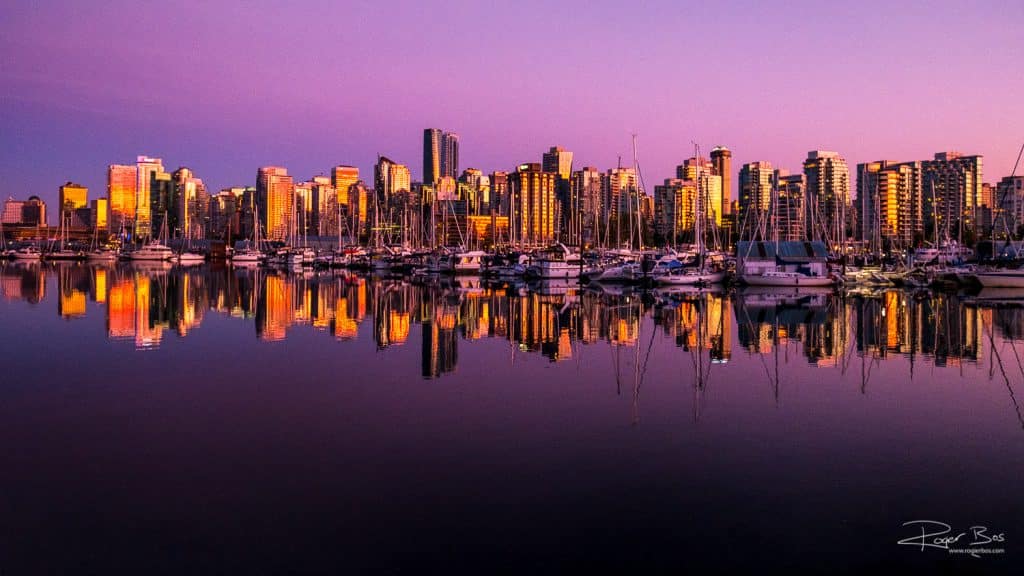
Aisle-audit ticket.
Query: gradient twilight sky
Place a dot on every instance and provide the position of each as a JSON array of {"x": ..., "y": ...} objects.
[{"x": 225, "y": 87}]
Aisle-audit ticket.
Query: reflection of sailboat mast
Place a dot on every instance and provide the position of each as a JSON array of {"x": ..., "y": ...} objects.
[{"x": 1006, "y": 379}]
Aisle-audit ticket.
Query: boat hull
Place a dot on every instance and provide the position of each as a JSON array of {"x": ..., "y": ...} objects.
[
  {"x": 764, "y": 280},
  {"x": 1008, "y": 279}
]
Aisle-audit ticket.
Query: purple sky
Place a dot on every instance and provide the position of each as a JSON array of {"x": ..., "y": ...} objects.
[{"x": 225, "y": 87}]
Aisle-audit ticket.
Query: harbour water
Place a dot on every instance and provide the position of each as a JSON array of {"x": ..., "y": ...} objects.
[{"x": 158, "y": 419}]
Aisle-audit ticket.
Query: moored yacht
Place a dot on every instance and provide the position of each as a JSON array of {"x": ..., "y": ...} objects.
[
  {"x": 152, "y": 251},
  {"x": 1004, "y": 278}
]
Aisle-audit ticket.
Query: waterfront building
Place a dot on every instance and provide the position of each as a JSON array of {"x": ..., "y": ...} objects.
[
  {"x": 709, "y": 185},
  {"x": 675, "y": 205},
  {"x": 951, "y": 185},
  {"x": 99, "y": 214},
  {"x": 755, "y": 196},
  {"x": 889, "y": 204},
  {"x": 121, "y": 196},
  {"x": 533, "y": 204},
  {"x": 721, "y": 161},
  {"x": 789, "y": 212},
  {"x": 71, "y": 197},
  {"x": 145, "y": 168},
  {"x": 440, "y": 155},
  {"x": 828, "y": 195},
  {"x": 1009, "y": 196},
  {"x": 276, "y": 202},
  {"x": 587, "y": 193}
]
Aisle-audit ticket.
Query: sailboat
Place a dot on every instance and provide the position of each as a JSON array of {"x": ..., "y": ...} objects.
[
  {"x": 4, "y": 251},
  {"x": 63, "y": 252},
  {"x": 1004, "y": 278},
  {"x": 251, "y": 255},
  {"x": 99, "y": 253},
  {"x": 188, "y": 255},
  {"x": 155, "y": 249}
]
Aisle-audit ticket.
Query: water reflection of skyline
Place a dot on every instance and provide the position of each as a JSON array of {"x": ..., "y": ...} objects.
[{"x": 144, "y": 304}]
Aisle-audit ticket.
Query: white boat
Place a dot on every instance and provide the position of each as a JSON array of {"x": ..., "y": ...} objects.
[
  {"x": 468, "y": 262},
  {"x": 948, "y": 252},
  {"x": 1001, "y": 278},
  {"x": 190, "y": 258},
  {"x": 101, "y": 255},
  {"x": 780, "y": 278},
  {"x": 689, "y": 277},
  {"x": 556, "y": 262},
  {"x": 65, "y": 254},
  {"x": 248, "y": 257},
  {"x": 27, "y": 253},
  {"x": 153, "y": 252},
  {"x": 624, "y": 272}
]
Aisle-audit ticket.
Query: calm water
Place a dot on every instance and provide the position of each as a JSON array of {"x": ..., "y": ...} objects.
[{"x": 158, "y": 420}]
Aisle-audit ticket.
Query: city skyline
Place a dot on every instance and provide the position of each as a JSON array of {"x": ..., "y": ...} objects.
[{"x": 894, "y": 100}]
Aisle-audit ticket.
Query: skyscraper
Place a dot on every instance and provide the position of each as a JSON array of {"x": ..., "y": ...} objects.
[
  {"x": 450, "y": 155},
  {"x": 889, "y": 202},
  {"x": 533, "y": 204},
  {"x": 789, "y": 212},
  {"x": 275, "y": 197},
  {"x": 342, "y": 177},
  {"x": 675, "y": 204},
  {"x": 951, "y": 185},
  {"x": 72, "y": 197},
  {"x": 755, "y": 183},
  {"x": 390, "y": 178},
  {"x": 162, "y": 204},
  {"x": 191, "y": 205},
  {"x": 828, "y": 195},
  {"x": 145, "y": 168},
  {"x": 431, "y": 155},
  {"x": 121, "y": 196},
  {"x": 721, "y": 159},
  {"x": 588, "y": 201},
  {"x": 559, "y": 161},
  {"x": 440, "y": 155},
  {"x": 709, "y": 186}
]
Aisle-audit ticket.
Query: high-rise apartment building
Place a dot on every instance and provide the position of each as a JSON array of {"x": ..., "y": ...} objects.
[
  {"x": 162, "y": 204},
  {"x": 788, "y": 212},
  {"x": 191, "y": 205},
  {"x": 620, "y": 189},
  {"x": 559, "y": 161},
  {"x": 275, "y": 199},
  {"x": 721, "y": 160},
  {"x": 532, "y": 191},
  {"x": 99, "y": 214},
  {"x": 755, "y": 196},
  {"x": 675, "y": 209},
  {"x": 121, "y": 196},
  {"x": 390, "y": 178},
  {"x": 588, "y": 202},
  {"x": 72, "y": 197},
  {"x": 709, "y": 186},
  {"x": 145, "y": 168},
  {"x": 951, "y": 185},
  {"x": 342, "y": 178},
  {"x": 440, "y": 155},
  {"x": 1009, "y": 198},
  {"x": 889, "y": 203},
  {"x": 828, "y": 195}
]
